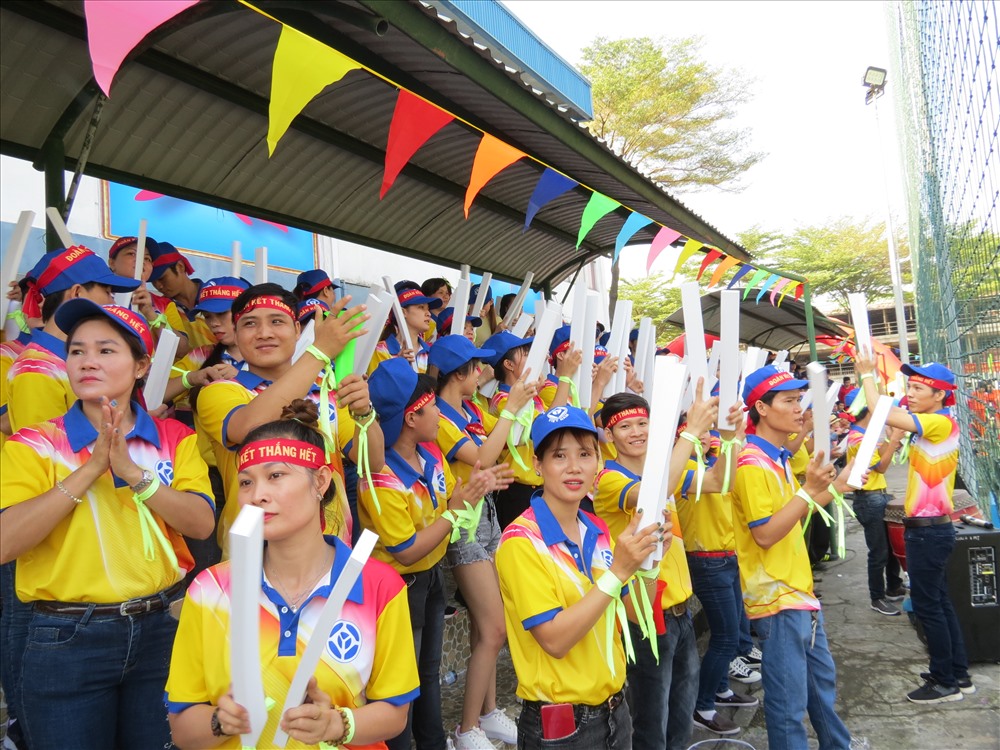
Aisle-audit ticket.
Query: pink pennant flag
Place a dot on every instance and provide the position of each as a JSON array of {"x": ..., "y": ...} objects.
[
  {"x": 492, "y": 157},
  {"x": 710, "y": 257},
  {"x": 791, "y": 287},
  {"x": 663, "y": 239},
  {"x": 414, "y": 121},
  {"x": 115, "y": 28},
  {"x": 778, "y": 287}
]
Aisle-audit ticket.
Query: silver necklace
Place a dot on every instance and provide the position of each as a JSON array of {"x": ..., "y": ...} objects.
[{"x": 295, "y": 601}]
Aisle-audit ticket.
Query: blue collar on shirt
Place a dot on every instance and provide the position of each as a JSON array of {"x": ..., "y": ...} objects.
[
  {"x": 461, "y": 419},
  {"x": 229, "y": 359},
  {"x": 250, "y": 381},
  {"x": 776, "y": 454},
  {"x": 394, "y": 347},
  {"x": 25, "y": 337},
  {"x": 856, "y": 428},
  {"x": 553, "y": 534},
  {"x": 408, "y": 475},
  {"x": 615, "y": 466},
  {"x": 81, "y": 432},
  {"x": 49, "y": 342},
  {"x": 192, "y": 313}
]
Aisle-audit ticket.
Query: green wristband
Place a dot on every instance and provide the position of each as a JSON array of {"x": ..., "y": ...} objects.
[
  {"x": 505, "y": 414},
  {"x": 610, "y": 584},
  {"x": 185, "y": 381}
]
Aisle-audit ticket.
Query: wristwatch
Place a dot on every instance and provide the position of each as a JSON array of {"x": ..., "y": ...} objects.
[
  {"x": 217, "y": 725},
  {"x": 147, "y": 479}
]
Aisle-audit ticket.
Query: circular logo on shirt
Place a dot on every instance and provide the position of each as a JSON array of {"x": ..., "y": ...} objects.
[
  {"x": 344, "y": 643},
  {"x": 440, "y": 484},
  {"x": 558, "y": 414},
  {"x": 165, "y": 471},
  {"x": 608, "y": 557}
]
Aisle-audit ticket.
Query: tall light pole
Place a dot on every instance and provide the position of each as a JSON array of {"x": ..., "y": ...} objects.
[{"x": 875, "y": 83}]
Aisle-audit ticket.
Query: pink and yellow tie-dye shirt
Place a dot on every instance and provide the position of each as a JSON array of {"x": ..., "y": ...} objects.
[{"x": 933, "y": 463}]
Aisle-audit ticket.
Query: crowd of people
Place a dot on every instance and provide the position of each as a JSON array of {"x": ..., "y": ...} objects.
[{"x": 116, "y": 579}]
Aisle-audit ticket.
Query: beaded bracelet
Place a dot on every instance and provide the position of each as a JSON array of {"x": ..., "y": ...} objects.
[
  {"x": 347, "y": 718},
  {"x": 67, "y": 493}
]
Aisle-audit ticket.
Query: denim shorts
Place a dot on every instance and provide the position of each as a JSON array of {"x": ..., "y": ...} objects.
[{"x": 483, "y": 546}]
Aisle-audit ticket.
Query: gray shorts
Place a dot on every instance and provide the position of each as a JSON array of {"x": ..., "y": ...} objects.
[{"x": 484, "y": 544}]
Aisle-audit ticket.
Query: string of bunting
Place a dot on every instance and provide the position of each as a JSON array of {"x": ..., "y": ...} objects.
[{"x": 303, "y": 67}]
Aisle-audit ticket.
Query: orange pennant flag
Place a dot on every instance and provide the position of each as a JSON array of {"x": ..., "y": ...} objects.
[
  {"x": 690, "y": 248},
  {"x": 720, "y": 270},
  {"x": 492, "y": 157},
  {"x": 710, "y": 257}
]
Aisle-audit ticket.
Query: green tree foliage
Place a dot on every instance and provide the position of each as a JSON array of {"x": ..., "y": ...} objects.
[
  {"x": 659, "y": 105},
  {"x": 654, "y": 297},
  {"x": 847, "y": 255}
]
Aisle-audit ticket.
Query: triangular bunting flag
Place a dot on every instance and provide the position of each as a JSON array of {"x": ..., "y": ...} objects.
[
  {"x": 766, "y": 285},
  {"x": 633, "y": 224},
  {"x": 550, "y": 186},
  {"x": 414, "y": 121},
  {"x": 720, "y": 270},
  {"x": 791, "y": 287},
  {"x": 758, "y": 275},
  {"x": 663, "y": 239},
  {"x": 597, "y": 208},
  {"x": 710, "y": 257},
  {"x": 739, "y": 275},
  {"x": 302, "y": 68},
  {"x": 690, "y": 248},
  {"x": 778, "y": 287},
  {"x": 115, "y": 29},
  {"x": 800, "y": 290},
  {"x": 492, "y": 157}
]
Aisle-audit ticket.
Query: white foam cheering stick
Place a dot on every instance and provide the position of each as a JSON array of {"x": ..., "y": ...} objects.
[
  {"x": 538, "y": 353},
  {"x": 694, "y": 335},
  {"x": 459, "y": 303},
  {"x": 484, "y": 289},
  {"x": 401, "y": 327},
  {"x": 821, "y": 409},
  {"x": 260, "y": 266},
  {"x": 379, "y": 306},
  {"x": 59, "y": 226},
  {"x": 873, "y": 433},
  {"x": 729, "y": 350},
  {"x": 859, "y": 315},
  {"x": 236, "y": 260},
  {"x": 518, "y": 303},
  {"x": 159, "y": 372}
]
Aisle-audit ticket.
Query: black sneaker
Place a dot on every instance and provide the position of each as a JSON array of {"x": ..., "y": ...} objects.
[
  {"x": 884, "y": 608},
  {"x": 932, "y": 692},
  {"x": 736, "y": 701},
  {"x": 718, "y": 724},
  {"x": 964, "y": 683},
  {"x": 753, "y": 658},
  {"x": 897, "y": 594}
]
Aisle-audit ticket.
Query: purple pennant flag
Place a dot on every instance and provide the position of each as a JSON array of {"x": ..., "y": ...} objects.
[
  {"x": 550, "y": 186},
  {"x": 633, "y": 224},
  {"x": 747, "y": 268}
]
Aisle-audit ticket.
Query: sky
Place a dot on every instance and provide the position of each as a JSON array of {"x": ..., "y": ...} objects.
[{"x": 807, "y": 61}]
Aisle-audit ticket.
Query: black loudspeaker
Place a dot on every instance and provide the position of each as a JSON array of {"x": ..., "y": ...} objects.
[{"x": 972, "y": 584}]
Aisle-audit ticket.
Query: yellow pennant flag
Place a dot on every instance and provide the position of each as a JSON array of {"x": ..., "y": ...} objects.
[
  {"x": 302, "y": 68},
  {"x": 690, "y": 248}
]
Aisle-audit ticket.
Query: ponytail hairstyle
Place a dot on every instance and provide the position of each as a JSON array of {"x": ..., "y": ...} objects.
[{"x": 298, "y": 421}]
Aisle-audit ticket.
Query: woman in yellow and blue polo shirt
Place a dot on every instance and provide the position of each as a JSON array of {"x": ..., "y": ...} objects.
[
  {"x": 560, "y": 583},
  {"x": 95, "y": 504},
  {"x": 417, "y": 318},
  {"x": 367, "y": 675}
]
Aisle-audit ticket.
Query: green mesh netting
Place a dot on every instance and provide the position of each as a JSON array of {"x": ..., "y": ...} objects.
[{"x": 947, "y": 90}]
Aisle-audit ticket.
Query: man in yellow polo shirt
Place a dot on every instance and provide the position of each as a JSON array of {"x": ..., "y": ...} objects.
[
  {"x": 885, "y": 585},
  {"x": 768, "y": 510}
]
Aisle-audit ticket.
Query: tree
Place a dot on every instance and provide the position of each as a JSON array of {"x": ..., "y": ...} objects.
[
  {"x": 660, "y": 106},
  {"x": 844, "y": 256},
  {"x": 657, "y": 298}
]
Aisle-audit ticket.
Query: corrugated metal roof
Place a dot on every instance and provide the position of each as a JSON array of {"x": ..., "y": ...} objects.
[{"x": 188, "y": 117}]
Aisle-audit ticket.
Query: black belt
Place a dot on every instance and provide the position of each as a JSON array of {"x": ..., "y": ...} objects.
[
  {"x": 677, "y": 610},
  {"x": 917, "y": 522},
  {"x": 583, "y": 709},
  {"x": 143, "y": 605}
]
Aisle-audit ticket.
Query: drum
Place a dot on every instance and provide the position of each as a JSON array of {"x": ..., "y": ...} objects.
[{"x": 894, "y": 514}]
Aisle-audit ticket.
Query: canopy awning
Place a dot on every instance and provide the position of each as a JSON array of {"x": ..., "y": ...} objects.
[
  {"x": 764, "y": 325},
  {"x": 188, "y": 117}
]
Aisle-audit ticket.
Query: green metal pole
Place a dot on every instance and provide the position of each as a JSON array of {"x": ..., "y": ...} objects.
[
  {"x": 54, "y": 156},
  {"x": 810, "y": 323}
]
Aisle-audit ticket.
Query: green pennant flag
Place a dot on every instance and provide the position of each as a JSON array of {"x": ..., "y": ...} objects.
[
  {"x": 597, "y": 208},
  {"x": 754, "y": 280}
]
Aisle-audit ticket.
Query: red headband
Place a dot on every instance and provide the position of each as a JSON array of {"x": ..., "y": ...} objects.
[
  {"x": 33, "y": 297},
  {"x": 267, "y": 301},
  {"x": 633, "y": 413},
  {"x": 941, "y": 385},
  {"x": 559, "y": 350},
  {"x": 420, "y": 403},
  {"x": 281, "y": 449},
  {"x": 757, "y": 393}
]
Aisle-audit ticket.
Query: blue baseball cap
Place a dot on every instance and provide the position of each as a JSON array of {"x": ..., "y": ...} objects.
[
  {"x": 308, "y": 308},
  {"x": 217, "y": 295},
  {"x": 474, "y": 292},
  {"x": 449, "y": 353},
  {"x": 851, "y": 395},
  {"x": 445, "y": 317},
  {"x": 310, "y": 283},
  {"x": 633, "y": 335},
  {"x": 605, "y": 338},
  {"x": 501, "y": 343},
  {"x": 61, "y": 269},
  {"x": 391, "y": 386},
  {"x": 409, "y": 293},
  {"x": 936, "y": 376},
  {"x": 560, "y": 341},
  {"x": 767, "y": 379},
  {"x": 560, "y": 418},
  {"x": 600, "y": 354},
  {"x": 166, "y": 256},
  {"x": 129, "y": 321}
]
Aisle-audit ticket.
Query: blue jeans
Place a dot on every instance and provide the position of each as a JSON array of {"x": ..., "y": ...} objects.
[
  {"x": 13, "y": 637},
  {"x": 883, "y": 567},
  {"x": 96, "y": 681},
  {"x": 799, "y": 676},
  {"x": 716, "y": 582},
  {"x": 595, "y": 729},
  {"x": 425, "y": 594},
  {"x": 661, "y": 697},
  {"x": 927, "y": 551}
]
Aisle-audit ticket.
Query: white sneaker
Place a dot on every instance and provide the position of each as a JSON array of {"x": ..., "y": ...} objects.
[
  {"x": 474, "y": 739},
  {"x": 497, "y": 725},
  {"x": 740, "y": 671}
]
